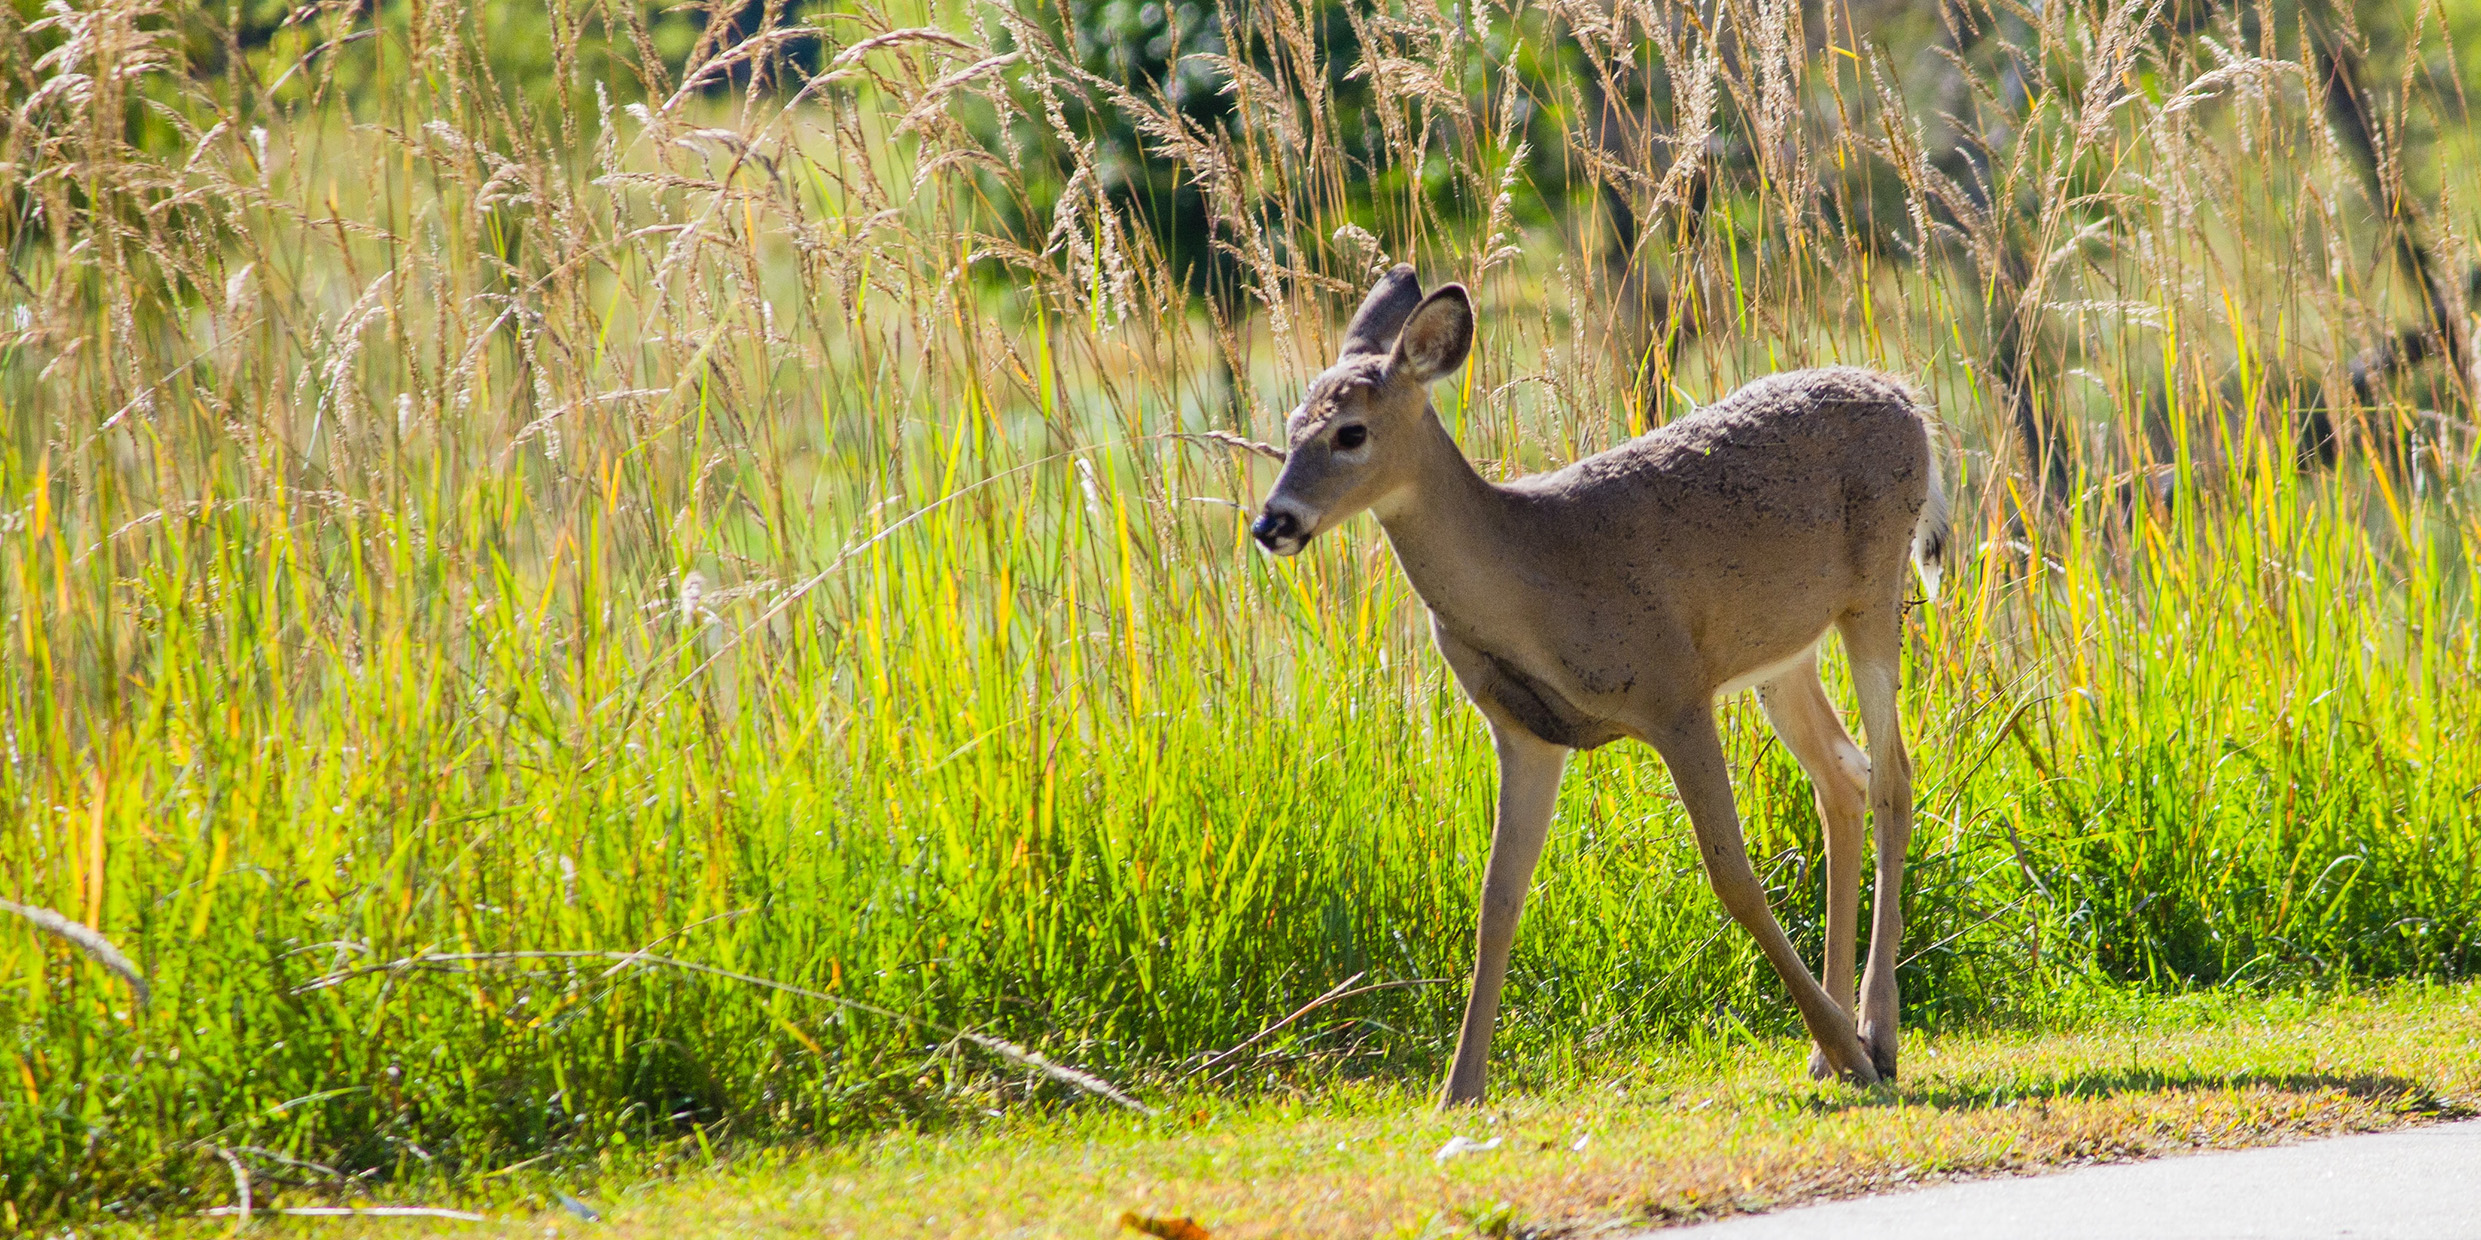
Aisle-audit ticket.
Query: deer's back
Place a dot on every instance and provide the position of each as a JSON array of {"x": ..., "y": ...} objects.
[
  {"x": 1782, "y": 460},
  {"x": 1745, "y": 528}
]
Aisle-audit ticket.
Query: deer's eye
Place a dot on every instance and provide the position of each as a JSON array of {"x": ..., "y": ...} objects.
[{"x": 1352, "y": 437}]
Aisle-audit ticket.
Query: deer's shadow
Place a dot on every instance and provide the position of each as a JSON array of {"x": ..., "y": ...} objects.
[{"x": 1997, "y": 1090}]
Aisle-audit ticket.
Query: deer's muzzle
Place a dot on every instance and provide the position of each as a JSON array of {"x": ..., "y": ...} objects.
[{"x": 1279, "y": 532}]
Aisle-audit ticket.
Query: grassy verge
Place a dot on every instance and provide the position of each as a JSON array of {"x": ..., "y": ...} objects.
[{"x": 1671, "y": 1138}]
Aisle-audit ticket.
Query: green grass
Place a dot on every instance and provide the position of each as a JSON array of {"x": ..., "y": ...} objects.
[
  {"x": 1646, "y": 1139},
  {"x": 449, "y": 528}
]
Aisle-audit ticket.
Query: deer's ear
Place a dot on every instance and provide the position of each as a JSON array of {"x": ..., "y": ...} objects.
[
  {"x": 1382, "y": 313},
  {"x": 1436, "y": 336}
]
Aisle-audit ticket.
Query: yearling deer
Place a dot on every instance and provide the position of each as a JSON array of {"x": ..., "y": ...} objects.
[{"x": 1622, "y": 595}]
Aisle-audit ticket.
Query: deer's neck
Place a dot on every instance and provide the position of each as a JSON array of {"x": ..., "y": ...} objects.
[{"x": 1450, "y": 530}]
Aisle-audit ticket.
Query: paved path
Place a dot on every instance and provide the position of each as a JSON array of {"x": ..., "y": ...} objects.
[{"x": 2417, "y": 1184}]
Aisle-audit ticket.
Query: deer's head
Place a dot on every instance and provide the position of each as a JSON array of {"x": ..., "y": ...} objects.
[{"x": 1355, "y": 439}]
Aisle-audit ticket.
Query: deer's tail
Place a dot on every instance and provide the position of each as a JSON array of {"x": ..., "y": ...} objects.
[{"x": 1930, "y": 534}]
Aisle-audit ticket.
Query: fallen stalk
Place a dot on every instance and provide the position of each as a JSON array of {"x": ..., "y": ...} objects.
[
  {"x": 1336, "y": 994},
  {"x": 88, "y": 940},
  {"x": 462, "y": 1216},
  {"x": 430, "y": 961}
]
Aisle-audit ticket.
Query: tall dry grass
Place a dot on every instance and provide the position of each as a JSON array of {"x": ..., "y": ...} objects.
[{"x": 764, "y": 512}]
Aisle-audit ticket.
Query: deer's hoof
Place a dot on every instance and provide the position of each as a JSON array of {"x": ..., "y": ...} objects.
[
  {"x": 1819, "y": 1068},
  {"x": 1879, "y": 1041}
]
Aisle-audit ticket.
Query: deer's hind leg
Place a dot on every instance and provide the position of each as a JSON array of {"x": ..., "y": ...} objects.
[
  {"x": 1875, "y": 640},
  {"x": 1797, "y": 705},
  {"x": 1694, "y": 753}
]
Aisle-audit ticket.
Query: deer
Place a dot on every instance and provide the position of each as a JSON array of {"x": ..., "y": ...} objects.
[{"x": 1624, "y": 595}]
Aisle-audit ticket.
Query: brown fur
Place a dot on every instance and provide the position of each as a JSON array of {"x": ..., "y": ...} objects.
[{"x": 1619, "y": 596}]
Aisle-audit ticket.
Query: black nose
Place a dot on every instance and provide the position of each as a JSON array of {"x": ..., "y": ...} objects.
[{"x": 1274, "y": 527}]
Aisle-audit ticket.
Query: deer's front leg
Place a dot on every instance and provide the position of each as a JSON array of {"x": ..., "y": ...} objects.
[{"x": 1529, "y": 770}]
